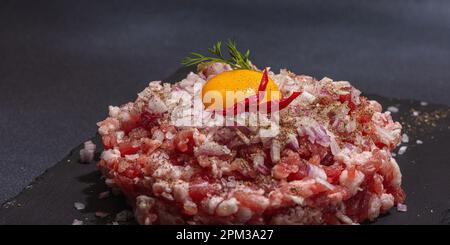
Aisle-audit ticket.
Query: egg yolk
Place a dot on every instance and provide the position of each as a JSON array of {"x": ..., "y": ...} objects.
[{"x": 230, "y": 87}]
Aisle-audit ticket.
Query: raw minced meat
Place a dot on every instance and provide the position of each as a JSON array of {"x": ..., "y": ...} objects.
[{"x": 330, "y": 163}]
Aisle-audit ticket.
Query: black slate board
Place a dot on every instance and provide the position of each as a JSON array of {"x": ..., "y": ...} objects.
[{"x": 425, "y": 167}]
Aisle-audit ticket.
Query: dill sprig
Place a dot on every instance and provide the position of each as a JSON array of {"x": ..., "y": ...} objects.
[{"x": 236, "y": 59}]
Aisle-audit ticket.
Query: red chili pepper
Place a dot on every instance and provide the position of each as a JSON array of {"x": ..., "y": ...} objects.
[
  {"x": 285, "y": 102},
  {"x": 245, "y": 103},
  {"x": 264, "y": 81},
  {"x": 281, "y": 103},
  {"x": 259, "y": 95},
  {"x": 262, "y": 86},
  {"x": 256, "y": 98}
]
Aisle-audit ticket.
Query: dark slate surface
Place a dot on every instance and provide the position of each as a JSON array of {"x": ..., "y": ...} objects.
[
  {"x": 425, "y": 167},
  {"x": 62, "y": 62}
]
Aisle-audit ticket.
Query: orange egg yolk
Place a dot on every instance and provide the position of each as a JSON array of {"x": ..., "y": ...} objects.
[{"x": 230, "y": 87}]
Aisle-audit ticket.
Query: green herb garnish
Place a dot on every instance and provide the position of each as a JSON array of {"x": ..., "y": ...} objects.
[{"x": 236, "y": 59}]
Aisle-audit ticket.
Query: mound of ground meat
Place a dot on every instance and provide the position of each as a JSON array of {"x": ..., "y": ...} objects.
[{"x": 330, "y": 163}]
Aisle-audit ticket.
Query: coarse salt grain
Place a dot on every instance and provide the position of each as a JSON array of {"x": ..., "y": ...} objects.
[
  {"x": 423, "y": 103},
  {"x": 392, "y": 109},
  {"x": 419, "y": 142},
  {"x": 79, "y": 206},
  {"x": 402, "y": 150},
  {"x": 124, "y": 216},
  {"x": 405, "y": 138},
  {"x": 101, "y": 214},
  {"x": 415, "y": 113},
  {"x": 9, "y": 204},
  {"x": 88, "y": 152},
  {"x": 402, "y": 207},
  {"x": 77, "y": 222},
  {"x": 103, "y": 195}
]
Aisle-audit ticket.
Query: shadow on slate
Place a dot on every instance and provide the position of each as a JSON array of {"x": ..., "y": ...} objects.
[{"x": 425, "y": 167}]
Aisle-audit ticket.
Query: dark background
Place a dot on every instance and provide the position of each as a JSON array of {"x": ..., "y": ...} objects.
[{"x": 63, "y": 62}]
